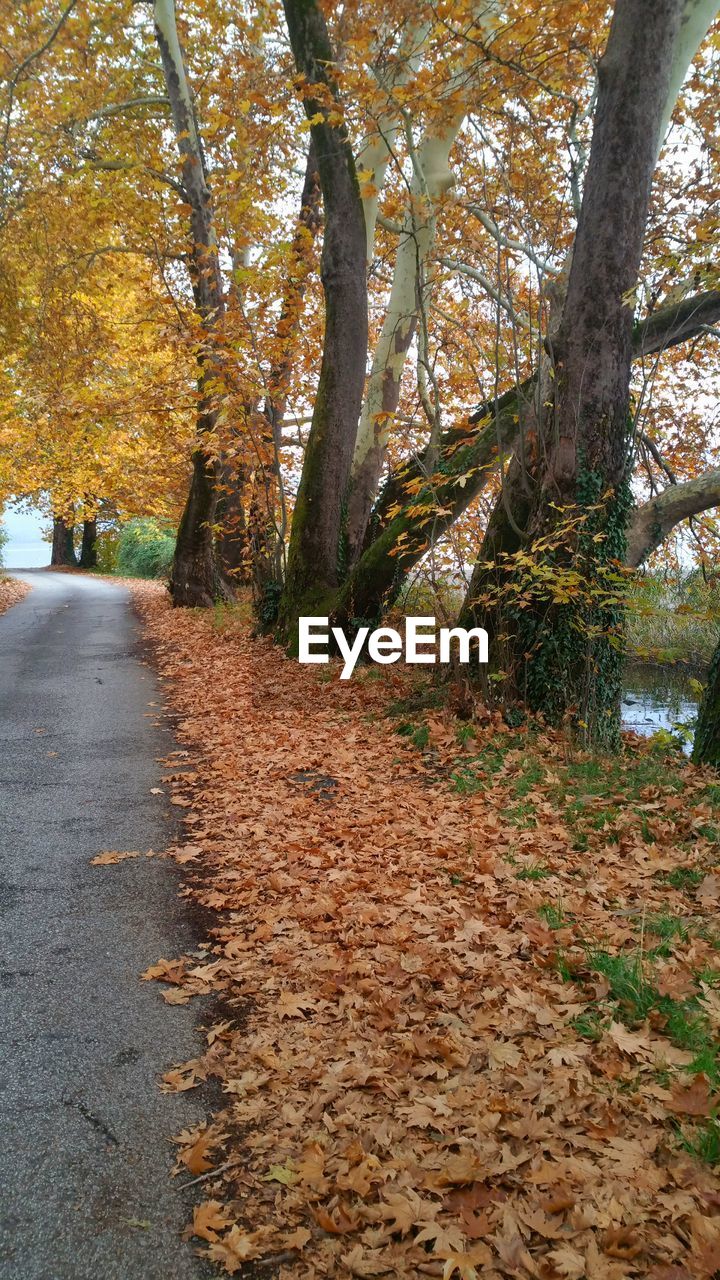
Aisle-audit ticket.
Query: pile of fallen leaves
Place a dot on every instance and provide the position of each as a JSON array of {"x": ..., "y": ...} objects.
[
  {"x": 12, "y": 590},
  {"x": 403, "y": 969}
]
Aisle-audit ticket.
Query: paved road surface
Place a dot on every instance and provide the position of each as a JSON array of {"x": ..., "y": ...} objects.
[{"x": 84, "y": 1131}]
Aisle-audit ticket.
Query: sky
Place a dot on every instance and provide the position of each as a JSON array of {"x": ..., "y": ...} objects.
[{"x": 25, "y": 548}]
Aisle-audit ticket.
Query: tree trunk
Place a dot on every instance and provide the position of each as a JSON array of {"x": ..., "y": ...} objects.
[
  {"x": 267, "y": 513},
  {"x": 88, "y": 548},
  {"x": 315, "y": 543},
  {"x": 560, "y": 608},
  {"x": 195, "y": 578},
  {"x": 63, "y": 546},
  {"x": 231, "y": 543},
  {"x": 706, "y": 747},
  {"x": 409, "y": 298}
]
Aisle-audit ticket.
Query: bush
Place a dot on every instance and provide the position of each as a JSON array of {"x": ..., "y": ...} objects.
[
  {"x": 145, "y": 548},
  {"x": 107, "y": 549},
  {"x": 4, "y": 538}
]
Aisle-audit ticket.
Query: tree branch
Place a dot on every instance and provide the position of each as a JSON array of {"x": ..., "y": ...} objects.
[
  {"x": 651, "y": 523},
  {"x": 676, "y": 323}
]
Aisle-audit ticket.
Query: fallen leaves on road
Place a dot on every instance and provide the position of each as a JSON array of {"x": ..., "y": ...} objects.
[{"x": 408, "y": 1092}]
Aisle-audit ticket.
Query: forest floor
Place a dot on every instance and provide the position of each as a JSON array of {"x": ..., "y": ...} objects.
[
  {"x": 467, "y": 979},
  {"x": 12, "y": 590}
]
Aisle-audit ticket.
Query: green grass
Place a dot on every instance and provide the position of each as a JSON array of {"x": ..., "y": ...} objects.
[
  {"x": 684, "y": 878},
  {"x": 478, "y": 773},
  {"x": 419, "y": 734},
  {"x": 553, "y": 915},
  {"x": 703, "y": 1141},
  {"x": 145, "y": 548},
  {"x": 589, "y": 1025},
  {"x": 532, "y": 775},
  {"x": 667, "y": 926},
  {"x": 536, "y": 872},
  {"x": 633, "y": 998},
  {"x": 522, "y": 816}
]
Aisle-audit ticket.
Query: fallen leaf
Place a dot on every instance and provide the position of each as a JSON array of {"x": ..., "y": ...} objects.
[
  {"x": 109, "y": 858},
  {"x": 209, "y": 1219}
]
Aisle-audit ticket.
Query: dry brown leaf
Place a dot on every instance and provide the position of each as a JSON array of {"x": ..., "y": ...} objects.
[{"x": 111, "y": 856}]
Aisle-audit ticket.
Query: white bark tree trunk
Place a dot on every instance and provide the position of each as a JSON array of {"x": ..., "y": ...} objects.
[
  {"x": 697, "y": 19},
  {"x": 376, "y": 151}
]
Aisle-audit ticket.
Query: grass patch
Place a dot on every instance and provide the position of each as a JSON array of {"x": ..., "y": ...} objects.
[
  {"x": 535, "y": 872},
  {"x": 703, "y": 1141},
  {"x": 553, "y": 915},
  {"x": 633, "y": 998},
  {"x": 684, "y": 878},
  {"x": 418, "y": 734}
]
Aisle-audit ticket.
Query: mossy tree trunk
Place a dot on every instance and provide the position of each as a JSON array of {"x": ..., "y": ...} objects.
[
  {"x": 559, "y": 611},
  {"x": 706, "y": 748},
  {"x": 315, "y": 544}
]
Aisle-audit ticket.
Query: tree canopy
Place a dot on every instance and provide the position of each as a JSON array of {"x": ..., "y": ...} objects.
[{"x": 313, "y": 265}]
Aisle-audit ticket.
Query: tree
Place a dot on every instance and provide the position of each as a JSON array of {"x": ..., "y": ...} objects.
[
  {"x": 570, "y": 504},
  {"x": 195, "y": 578},
  {"x": 314, "y": 552}
]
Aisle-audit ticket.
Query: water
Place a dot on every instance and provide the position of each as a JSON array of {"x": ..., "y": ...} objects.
[{"x": 658, "y": 698}]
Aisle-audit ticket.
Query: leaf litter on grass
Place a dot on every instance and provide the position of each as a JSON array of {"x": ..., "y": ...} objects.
[{"x": 426, "y": 1071}]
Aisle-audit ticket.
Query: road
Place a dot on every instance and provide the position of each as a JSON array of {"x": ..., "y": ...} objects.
[{"x": 85, "y": 1134}]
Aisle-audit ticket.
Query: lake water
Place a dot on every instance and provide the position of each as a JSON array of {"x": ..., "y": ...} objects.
[{"x": 658, "y": 698}]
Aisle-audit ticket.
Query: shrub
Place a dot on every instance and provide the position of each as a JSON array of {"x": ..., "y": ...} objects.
[
  {"x": 107, "y": 549},
  {"x": 4, "y": 538},
  {"x": 145, "y": 548}
]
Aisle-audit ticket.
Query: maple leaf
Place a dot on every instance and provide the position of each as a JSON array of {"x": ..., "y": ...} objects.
[
  {"x": 709, "y": 888},
  {"x": 176, "y": 1082},
  {"x": 401, "y": 1212},
  {"x": 567, "y": 1262},
  {"x": 361, "y": 1261},
  {"x": 281, "y": 1173},
  {"x": 695, "y": 1100},
  {"x": 110, "y": 857},
  {"x": 502, "y": 1054},
  {"x": 166, "y": 971},
  {"x": 634, "y": 1045},
  {"x": 209, "y": 1218},
  {"x": 296, "y": 1239},
  {"x": 294, "y": 1005},
  {"x": 337, "y": 1223},
  {"x": 621, "y": 1242},
  {"x": 239, "y": 1246},
  {"x": 194, "y": 1156},
  {"x": 460, "y": 1264}
]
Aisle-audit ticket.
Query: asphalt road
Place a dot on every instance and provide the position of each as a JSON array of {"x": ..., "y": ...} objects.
[{"x": 84, "y": 1131}]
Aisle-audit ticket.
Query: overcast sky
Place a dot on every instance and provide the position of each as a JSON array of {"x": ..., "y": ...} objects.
[{"x": 25, "y": 548}]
